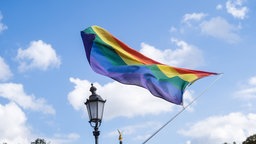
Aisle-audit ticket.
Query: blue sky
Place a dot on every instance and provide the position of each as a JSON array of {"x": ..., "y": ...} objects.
[{"x": 45, "y": 77}]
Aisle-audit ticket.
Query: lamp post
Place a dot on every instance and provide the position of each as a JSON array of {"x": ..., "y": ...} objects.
[{"x": 95, "y": 108}]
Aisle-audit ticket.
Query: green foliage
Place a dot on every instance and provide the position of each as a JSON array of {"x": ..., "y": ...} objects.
[
  {"x": 228, "y": 143},
  {"x": 39, "y": 141},
  {"x": 250, "y": 140}
]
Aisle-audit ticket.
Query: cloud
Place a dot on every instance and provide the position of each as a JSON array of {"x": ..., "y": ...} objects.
[
  {"x": 184, "y": 56},
  {"x": 173, "y": 29},
  {"x": 248, "y": 90},
  {"x": 122, "y": 100},
  {"x": 218, "y": 27},
  {"x": 64, "y": 138},
  {"x": 39, "y": 55},
  {"x": 2, "y": 26},
  {"x": 78, "y": 95},
  {"x": 5, "y": 72},
  {"x": 15, "y": 93},
  {"x": 138, "y": 132},
  {"x": 193, "y": 17},
  {"x": 219, "y": 7},
  {"x": 13, "y": 127},
  {"x": 236, "y": 8},
  {"x": 220, "y": 129}
]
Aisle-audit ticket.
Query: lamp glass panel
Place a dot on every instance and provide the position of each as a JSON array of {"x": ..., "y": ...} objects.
[
  {"x": 94, "y": 110},
  {"x": 100, "y": 109}
]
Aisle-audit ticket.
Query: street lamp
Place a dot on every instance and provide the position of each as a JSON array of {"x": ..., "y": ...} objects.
[{"x": 95, "y": 108}]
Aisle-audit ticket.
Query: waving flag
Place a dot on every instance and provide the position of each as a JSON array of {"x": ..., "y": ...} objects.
[{"x": 110, "y": 57}]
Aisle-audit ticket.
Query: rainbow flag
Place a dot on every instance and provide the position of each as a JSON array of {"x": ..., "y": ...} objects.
[{"x": 112, "y": 58}]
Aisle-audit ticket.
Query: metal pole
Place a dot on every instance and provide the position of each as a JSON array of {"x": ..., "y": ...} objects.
[
  {"x": 96, "y": 134},
  {"x": 184, "y": 107}
]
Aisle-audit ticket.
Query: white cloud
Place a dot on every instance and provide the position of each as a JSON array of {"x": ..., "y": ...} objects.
[
  {"x": 236, "y": 8},
  {"x": 219, "y": 7},
  {"x": 138, "y": 132},
  {"x": 64, "y": 138},
  {"x": 218, "y": 27},
  {"x": 173, "y": 29},
  {"x": 248, "y": 90},
  {"x": 193, "y": 17},
  {"x": 15, "y": 93},
  {"x": 122, "y": 100},
  {"x": 13, "y": 126},
  {"x": 252, "y": 81},
  {"x": 2, "y": 26},
  {"x": 130, "y": 101},
  {"x": 5, "y": 72},
  {"x": 78, "y": 95},
  {"x": 184, "y": 56},
  {"x": 38, "y": 55},
  {"x": 220, "y": 129}
]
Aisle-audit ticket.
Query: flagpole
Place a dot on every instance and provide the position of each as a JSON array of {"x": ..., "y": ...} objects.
[{"x": 184, "y": 107}]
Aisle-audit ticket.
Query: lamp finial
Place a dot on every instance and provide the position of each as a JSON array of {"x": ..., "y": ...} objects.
[{"x": 93, "y": 89}]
